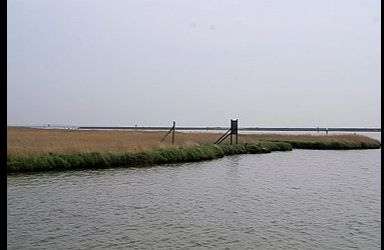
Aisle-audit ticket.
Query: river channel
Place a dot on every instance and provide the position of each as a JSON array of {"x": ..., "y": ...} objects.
[{"x": 303, "y": 199}]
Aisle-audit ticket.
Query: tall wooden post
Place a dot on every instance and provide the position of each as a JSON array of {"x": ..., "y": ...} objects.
[
  {"x": 234, "y": 128},
  {"x": 173, "y": 132}
]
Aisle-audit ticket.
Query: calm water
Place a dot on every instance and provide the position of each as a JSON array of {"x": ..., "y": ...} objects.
[{"x": 304, "y": 199}]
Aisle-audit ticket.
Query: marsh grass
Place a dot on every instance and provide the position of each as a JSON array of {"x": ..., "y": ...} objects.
[
  {"x": 22, "y": 142},
  {"x": 44, "y": 150},
  {"x": 335, "y": 142},
  {"x": 106, "y": 160},
  {"x": 28, "y": 142}
]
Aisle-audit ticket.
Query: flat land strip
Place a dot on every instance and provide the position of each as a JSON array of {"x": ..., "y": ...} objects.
[{"x": 27, "y": 142}]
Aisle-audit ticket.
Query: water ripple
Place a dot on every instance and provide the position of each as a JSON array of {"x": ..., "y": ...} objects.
[{"x": 290, "y": 200}]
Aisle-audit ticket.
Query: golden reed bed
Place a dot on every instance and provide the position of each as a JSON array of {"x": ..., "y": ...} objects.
[{"x": 38, "y": 142}]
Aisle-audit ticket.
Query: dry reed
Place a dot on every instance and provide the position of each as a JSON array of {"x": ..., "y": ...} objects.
[{"x": 23, "y": 142}]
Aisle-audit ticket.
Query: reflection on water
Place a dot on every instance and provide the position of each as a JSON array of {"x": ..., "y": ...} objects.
[{"x": 304, "y": 199}]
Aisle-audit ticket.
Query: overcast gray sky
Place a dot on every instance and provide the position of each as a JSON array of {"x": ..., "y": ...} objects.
[{"x": 199, "y": 62}]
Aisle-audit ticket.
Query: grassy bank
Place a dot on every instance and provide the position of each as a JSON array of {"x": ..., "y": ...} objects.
[
  {"x": 325, "y": 142},
  {"x": 42, "y": 149},
  {"x": 106, "y": 160},
  {"x": 332, "y": 144}
]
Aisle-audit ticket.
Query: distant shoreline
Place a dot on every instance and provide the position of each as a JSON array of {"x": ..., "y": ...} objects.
[
  {"x": 322, "y": 129},
  {"x": 154, "y": 128}
]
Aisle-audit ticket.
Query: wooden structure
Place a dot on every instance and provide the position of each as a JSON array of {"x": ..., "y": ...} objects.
[
  {"x": 232, "y": 132},
  {"x": 173, "y": 133}
]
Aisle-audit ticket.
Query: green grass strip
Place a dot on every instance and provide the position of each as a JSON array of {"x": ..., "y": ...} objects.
[
  {"x": 334, "y": 145},
  {"x": 96, "y": 160}
]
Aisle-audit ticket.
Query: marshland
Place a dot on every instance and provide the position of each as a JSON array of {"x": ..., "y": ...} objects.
[
  {"x": 30, "y": 149},
  {"x": 22, "y": 142}
]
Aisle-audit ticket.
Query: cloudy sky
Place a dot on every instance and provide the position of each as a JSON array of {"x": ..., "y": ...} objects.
[{"x": 272, "y": 63}]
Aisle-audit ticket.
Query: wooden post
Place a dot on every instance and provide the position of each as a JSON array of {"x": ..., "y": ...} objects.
[
  {"x": 173, "y": 132},
  {"x": 234, "y": 128}
]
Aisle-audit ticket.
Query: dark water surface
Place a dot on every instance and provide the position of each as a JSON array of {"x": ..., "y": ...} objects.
[{"x": 304, "y": 199}]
